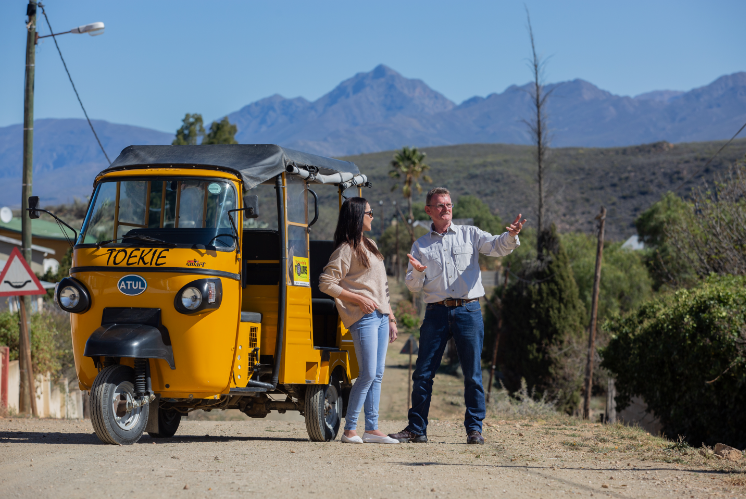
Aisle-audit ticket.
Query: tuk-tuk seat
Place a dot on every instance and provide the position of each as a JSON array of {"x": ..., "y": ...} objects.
[
  {"x": 255, "y": 317},
  {"x": 325, "y": 316}
]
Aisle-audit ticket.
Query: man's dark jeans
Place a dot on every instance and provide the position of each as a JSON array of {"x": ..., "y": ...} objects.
[{"x": 465, "y": 324}]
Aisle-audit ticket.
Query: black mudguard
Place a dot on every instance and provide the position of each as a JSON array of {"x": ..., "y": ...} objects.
[{"x": 142, "y": 341}]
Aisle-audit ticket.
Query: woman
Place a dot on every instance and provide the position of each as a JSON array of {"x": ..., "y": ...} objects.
[{"x": 356, "y": 277}]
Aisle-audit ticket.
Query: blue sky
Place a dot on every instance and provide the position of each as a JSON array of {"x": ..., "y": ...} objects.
[{"x": 159, "y": 60}]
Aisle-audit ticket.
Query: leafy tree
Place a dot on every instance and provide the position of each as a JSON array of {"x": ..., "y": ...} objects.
[
  {"x": 712, "y": 236},
  {"x": 545, "y": 327},
  {"x": 387, "y": 242},
  {"x": 625, "y": 281},
  {"x": 684, "y": 354},
  {"x": 221, "y": 132},
  {"x": 409, "y": 166},
  {"x": 418, "y": 212},
  {"x": 472, "y": 207},
  {"x": 191, "y": 130},
  {"x": 666, "y": 264}
]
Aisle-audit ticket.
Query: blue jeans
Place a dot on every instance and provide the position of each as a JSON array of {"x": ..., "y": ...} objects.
[
  {"x": 465, "y": 324},
  {"x": 371, "y": 337}
]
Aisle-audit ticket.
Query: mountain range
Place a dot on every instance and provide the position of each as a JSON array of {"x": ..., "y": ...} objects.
[{"x": 382, "y": 110}]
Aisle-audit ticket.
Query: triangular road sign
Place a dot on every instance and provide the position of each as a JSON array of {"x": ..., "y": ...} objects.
[
  {"x": 17, "y": 278},
  {"x": 411, "y": 343}
]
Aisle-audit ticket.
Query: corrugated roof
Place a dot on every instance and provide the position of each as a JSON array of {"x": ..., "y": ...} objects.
[{"x": 39, "y": 228}]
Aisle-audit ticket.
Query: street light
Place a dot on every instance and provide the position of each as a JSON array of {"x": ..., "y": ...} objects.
[
  {"x": 93, "y": 29},
  {"x": 32, "y": 37}
]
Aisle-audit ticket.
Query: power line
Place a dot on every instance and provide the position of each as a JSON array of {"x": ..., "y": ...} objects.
[
  {"x": 73, "y": 84},
  {"x": 709, "y": 160}
]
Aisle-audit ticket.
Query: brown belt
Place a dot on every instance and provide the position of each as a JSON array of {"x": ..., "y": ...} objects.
[{"x": 455, "y": 302}]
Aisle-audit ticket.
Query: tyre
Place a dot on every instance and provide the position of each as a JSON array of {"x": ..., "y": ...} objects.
[
  {"x": 323, "y": 410},
  {"x": 168, "y": 423},
  {"x": 112, "y": 389}
]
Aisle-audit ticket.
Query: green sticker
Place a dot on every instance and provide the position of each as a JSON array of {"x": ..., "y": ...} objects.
[{"x": 214, "y": 188}]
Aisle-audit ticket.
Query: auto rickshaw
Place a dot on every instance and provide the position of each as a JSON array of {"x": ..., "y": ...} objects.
[{"x": 187, "y": 293}]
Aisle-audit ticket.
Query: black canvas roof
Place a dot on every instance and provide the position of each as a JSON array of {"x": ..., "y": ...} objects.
[{"x": 255, "y": 163}]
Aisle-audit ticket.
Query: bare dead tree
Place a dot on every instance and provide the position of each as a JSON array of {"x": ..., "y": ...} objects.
[{"x": 537, "y": 124}]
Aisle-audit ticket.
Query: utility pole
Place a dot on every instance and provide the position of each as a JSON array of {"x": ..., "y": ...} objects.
[
  {"x": 601, "y": 217},
  {"x": 499, "y": 316},
  {"x": 27, "y": 399}
]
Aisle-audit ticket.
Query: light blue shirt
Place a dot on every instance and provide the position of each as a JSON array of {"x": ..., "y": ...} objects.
[{"x": 452, "y": 261}]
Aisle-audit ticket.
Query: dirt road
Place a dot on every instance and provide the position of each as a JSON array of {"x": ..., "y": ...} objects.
[
  {"x": 52, "y": 459},
  {"x": 529, "y": 453}
]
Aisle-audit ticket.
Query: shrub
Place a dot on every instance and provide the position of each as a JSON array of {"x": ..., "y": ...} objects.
[
  {"x": 684, "y": 354},
  {"x": 51, "y": 344}
]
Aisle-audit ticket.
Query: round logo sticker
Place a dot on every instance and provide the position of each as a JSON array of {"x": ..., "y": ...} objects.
[
  {"x": 214, "y": 188},
  {"x": 132, "y": 285}
]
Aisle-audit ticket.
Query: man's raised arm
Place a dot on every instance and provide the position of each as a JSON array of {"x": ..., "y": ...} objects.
[{"x": 501, "y": 245}]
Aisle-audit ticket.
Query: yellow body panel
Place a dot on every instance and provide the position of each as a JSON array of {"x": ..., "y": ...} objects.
[{"x": 203, "y": 344}]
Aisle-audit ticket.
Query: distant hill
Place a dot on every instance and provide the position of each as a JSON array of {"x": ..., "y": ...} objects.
[
  {"x": 627, "y": 180},
  {"x": 382, "y": 110},
  {"x": 66, "y": 156}
]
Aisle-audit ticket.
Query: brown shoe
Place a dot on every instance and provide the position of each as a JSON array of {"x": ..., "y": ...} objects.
[
  {"x": 475, "y": 437},
  {"x": 406, "y": 437}
]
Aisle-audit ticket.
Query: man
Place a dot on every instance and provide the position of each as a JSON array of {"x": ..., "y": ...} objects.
[{"x": 445, "y": 265}]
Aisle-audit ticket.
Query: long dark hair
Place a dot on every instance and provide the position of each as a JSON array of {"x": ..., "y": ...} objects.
[{"x": 350, "y": 230}]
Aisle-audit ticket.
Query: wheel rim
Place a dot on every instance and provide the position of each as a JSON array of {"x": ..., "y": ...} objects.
[
  {"x": 331, "y": 406},
  {"x": 125, "y": 393}
]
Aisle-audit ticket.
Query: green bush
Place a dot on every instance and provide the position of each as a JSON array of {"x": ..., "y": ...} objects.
[
  {"x": 669, "y": 352},
  {"x": 51, "y": 344}
]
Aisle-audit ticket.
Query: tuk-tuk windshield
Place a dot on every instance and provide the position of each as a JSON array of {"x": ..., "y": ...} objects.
[{"x": 185, "y": 211}]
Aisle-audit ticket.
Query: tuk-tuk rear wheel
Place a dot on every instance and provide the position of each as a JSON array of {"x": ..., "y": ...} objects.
[
  {"x": 323, "y": 410},
  {"x": 168, "y": 423},
  {"x": 112, "y": 389}
]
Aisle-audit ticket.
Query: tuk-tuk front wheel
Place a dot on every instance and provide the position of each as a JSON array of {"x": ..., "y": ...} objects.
[
  {"x": 112, "y": 390},
  {"x": 323, "y": 410}
]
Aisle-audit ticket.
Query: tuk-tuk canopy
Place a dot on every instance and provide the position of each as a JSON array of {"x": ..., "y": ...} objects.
[{"x": 255, "y": 163}]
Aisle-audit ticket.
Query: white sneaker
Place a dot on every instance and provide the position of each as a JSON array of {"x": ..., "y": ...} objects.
[
  {"x": 377, "y": 439},
  {"x": 351, "y": 440}
]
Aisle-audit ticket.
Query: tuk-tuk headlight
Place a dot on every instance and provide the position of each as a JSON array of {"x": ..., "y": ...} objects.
[
  {"x": 191, "y": 298},
  {"x": 72, "y": 296},
  {"x": 69, "y": 297},
  {"x": 199, "y": 296}
]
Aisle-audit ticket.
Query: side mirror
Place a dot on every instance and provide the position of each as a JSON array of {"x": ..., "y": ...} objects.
[
  {"x": 33, "y": 204},
  {"x": 251, "y": 206}
]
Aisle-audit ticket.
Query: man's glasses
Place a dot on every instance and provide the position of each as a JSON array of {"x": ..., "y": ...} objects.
[
  {"x": 440, "y": 206},
  {"x": 369, "y": 213}
]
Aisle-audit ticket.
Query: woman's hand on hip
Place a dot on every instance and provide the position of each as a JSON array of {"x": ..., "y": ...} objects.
[
  {"x": 367, "y": 305},
  {"x": 393, "y": 332}
]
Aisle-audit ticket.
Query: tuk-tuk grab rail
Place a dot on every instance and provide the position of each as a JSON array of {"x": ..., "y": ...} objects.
[{"x": 343, "y": 179}]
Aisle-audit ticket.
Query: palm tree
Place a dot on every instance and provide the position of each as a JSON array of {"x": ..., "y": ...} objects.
[{"x": 409, "y": 165}]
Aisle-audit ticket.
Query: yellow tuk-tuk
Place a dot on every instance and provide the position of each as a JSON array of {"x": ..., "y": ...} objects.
[{"x": 194, "y": 285}]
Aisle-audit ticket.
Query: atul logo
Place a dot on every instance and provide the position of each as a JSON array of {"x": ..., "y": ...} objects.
[
  {"x": 132, "y": 285},
  {"x": 195, "y": 263}
]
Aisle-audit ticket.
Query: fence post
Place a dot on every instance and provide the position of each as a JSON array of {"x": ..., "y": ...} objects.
[
  {"x": 610, "y": 402},
  {"x": 4, "y": 363}
]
